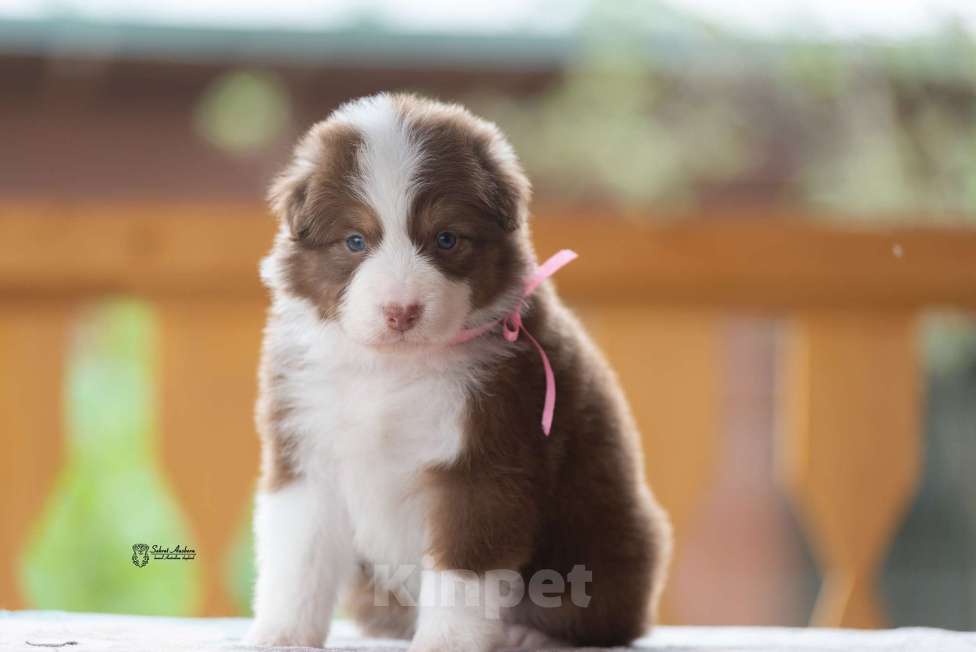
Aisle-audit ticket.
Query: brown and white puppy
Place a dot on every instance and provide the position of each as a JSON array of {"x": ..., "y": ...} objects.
[{"x": 403, "y": 469}]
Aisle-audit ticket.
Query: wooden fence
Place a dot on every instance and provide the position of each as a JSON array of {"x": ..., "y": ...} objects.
[{"x": 653, "y": 293}]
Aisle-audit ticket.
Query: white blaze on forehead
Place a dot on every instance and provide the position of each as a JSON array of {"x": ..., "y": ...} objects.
[
  {"x": 389, "y": 159},
  {"x": 395, "y": 272}
]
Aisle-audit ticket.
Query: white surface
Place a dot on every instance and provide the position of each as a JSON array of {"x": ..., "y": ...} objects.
[{"x": 135, "y": 633}]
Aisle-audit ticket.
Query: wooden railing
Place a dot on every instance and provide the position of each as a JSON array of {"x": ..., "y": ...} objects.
[{"x": 653, "y": 293}]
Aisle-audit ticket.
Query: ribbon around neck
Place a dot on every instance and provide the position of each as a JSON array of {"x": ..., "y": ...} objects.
[{"x": 512, "y": 327}]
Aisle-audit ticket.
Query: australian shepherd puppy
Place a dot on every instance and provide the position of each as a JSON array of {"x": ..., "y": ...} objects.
[{"x": 404, "y": 466}]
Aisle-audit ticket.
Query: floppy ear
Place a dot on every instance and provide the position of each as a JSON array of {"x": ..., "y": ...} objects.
[
  {"x": 509, "y": 192},
  {"x": 289, "y": 191},
  {"x": 509, "y": 197},
  {"x": 327, "y": 155},
  {"x": 287, "y": 196}
]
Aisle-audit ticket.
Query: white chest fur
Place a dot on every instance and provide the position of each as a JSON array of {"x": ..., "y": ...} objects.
[{"x": 366, "y": 425}]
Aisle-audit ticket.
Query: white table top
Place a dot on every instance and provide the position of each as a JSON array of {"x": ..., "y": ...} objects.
[{"x": 107, "y": 632}]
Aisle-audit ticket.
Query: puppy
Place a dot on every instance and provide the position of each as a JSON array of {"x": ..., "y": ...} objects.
[{"x": 405, "y": 465}]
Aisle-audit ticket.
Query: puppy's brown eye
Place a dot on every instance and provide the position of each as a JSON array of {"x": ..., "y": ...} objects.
[{"x": 446, "y": 240}]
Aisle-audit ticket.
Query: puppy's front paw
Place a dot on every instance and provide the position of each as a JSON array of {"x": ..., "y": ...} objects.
[
  {"x": 435, "y": 646},
  {"x": 527, "y": 639},
  {"x": 272, "y": 635},
  {"x": 475, "y": 637}
]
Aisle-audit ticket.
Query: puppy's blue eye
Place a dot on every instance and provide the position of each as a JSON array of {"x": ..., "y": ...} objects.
[
  {"x": 356, "y": 243},
  {"x": 446, "y": 240}
]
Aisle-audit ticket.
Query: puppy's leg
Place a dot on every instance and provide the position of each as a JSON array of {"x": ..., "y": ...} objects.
[
  {"x": 386, "y": 618},
  {"x": 304, "y": 553},
  {"x": 462, "y": 611},
  {"x": 478, "y": 535},
  {"x": 522, "y": 638},
  {"x": 459, "y": 611}
]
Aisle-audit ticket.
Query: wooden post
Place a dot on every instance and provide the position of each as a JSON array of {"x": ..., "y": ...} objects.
[
  {"x": 668, "y": 362},
  {"x": 33, "y": 342},
  {"x": 208, "y": 360},
  {"x": 849, "y": 448}
]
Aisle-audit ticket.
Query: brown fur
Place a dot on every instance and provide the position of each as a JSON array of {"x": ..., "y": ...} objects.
[
  {"x": 277, "y": 468},
  {"x": 391, "y": 620},
  {"x": 468, "y": 197},
  {"x": 515, "y": 499},
  {"x": 321, "y": 212},
  {"x": 521, "y": 501}
]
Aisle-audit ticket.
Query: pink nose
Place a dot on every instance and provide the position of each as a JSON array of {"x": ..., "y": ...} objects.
[{"x": 402, "y": 318}]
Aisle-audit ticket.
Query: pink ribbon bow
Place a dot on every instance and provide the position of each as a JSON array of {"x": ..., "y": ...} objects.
[{"x": 512, "y": 326}]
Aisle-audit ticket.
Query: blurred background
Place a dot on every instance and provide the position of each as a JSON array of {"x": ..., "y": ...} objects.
[{"x": 856, "y": 118}]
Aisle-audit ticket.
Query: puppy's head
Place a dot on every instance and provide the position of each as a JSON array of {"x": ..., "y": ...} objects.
[{"x": 401, "y": 220}]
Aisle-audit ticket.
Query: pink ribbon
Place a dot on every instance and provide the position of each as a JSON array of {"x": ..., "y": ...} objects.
[{"x": 512, "y": 326}]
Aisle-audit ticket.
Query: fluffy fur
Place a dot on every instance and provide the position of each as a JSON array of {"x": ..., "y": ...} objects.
[{"x": 395, "y": 461}]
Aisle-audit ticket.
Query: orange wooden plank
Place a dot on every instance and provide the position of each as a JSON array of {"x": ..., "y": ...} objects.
[
  {"x": 207, "y": 386},
  {"x": 33, "y": 342},
  {"x": 669, "y": 365},
  {"x": 849, "y": 449},
  {"x": 756, "y": 263}
]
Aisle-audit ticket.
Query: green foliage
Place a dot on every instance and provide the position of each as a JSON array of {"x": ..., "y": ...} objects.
[
  {"x": 948, "y": 343},
  {"x": 110, "y": 493},
  {"x": 243, "y": 111},
  {"x": 663, "y": 110},
  {"x": 608, "y": 132},
  {"x": 239, "y": 572}
]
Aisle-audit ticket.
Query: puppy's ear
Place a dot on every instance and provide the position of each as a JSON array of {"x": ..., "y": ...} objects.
[
  {"x": 288, "y": 194},
  {"x": 509, "y": 197},
  {"x": 289, "y": 191},
  {"x": 509, "y": 191},
  {"x": 319, "y": 174}
]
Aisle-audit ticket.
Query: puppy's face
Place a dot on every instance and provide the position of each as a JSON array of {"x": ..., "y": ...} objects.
[{"x": 400, "y": 220}]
